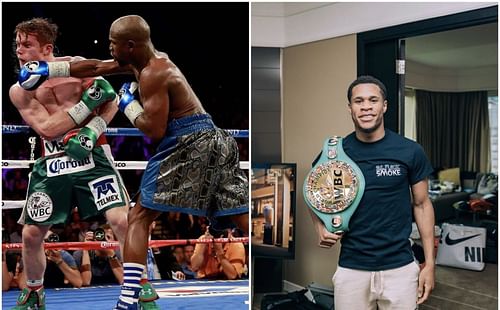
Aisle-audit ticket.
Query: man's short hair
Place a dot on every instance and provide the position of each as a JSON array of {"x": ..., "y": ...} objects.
[
  {"x": 367, "y": 79},
  {"x": 42, "y": 28}
]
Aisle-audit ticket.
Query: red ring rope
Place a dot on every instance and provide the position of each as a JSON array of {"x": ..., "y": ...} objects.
[{"x": 99, "y": 245}]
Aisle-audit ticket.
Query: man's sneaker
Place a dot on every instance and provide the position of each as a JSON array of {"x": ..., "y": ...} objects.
[
  {"x": 147, "y": 296},
  {"x": 148, "y": 305},
  {"x": 31, "y": 299},
  {"x": 148, "y": 293}
]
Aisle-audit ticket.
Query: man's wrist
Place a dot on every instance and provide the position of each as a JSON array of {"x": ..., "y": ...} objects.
[
  {"x": 59, "y": 262},
  {"x": 58, "y": 68},
  {"x": 79, "y": 112},
  {"x": 85, "y": 267},
  {"x": 98, "y": 125},
  {"x": 133, "y": 110},
  {"x": 114, "y": 262},
  {"x": 430, "y": 263}
]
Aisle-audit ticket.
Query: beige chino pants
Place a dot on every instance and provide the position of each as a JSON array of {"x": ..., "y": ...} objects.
[{"x": 366, "y": 290}]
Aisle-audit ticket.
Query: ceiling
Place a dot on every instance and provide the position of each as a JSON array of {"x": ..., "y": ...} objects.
[
  {"x": 285, "y": 9},
  {"x": 470, "y": 47},
  {"x": 464, "y": 48}
]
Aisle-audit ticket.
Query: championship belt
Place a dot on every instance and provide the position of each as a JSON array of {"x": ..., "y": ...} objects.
[{"x": 334, "y": 186}]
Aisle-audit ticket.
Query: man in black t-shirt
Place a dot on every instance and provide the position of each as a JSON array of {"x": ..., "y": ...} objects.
[{"x": 377, "y": 268}]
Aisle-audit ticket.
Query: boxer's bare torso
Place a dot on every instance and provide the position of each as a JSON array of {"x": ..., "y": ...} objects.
[{"x": 42, "y": 107}]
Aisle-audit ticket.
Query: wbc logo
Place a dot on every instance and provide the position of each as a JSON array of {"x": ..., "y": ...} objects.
[{"x": 39, "y": 206}]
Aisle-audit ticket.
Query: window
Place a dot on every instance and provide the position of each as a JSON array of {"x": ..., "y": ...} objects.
[
  {"x": 493, "y": 111},
  {"x": 410, "y": 128},
  {"x": 410, "y": 110}
]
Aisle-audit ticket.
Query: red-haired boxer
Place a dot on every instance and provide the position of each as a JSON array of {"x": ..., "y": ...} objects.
[{"x": 76, "y": 167}]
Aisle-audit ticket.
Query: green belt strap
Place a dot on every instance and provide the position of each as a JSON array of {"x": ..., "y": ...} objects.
[{"x": 334, "y": 186}]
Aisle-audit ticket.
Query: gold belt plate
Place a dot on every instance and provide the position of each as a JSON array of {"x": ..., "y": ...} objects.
[{"x": 332, "y": 186}]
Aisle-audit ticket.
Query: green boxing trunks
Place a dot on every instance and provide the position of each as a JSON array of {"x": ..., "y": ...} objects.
[
  {"x": 59, "y": 183},
  {"x": 334, "y": 187}
]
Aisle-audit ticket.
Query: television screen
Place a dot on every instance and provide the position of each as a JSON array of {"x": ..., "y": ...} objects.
[{"x": 273, "y": 209}]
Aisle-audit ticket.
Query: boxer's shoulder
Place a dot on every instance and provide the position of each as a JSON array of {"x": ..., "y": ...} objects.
[
  {"x": 62, "y": 82},
  {"x": 19, "y": 95}
]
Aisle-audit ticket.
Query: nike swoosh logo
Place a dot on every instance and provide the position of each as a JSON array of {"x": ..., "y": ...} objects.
[{"x": 450, "y": 241}]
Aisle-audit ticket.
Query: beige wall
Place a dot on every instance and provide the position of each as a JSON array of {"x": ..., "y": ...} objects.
[{"x": 315, "y": 80}]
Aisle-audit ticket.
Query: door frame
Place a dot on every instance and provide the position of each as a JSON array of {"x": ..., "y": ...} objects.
[{"x": 366, "y": 41}]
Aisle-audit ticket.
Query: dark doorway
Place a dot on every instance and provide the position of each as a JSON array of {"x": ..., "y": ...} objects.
[{"x": 378, "y": 52}]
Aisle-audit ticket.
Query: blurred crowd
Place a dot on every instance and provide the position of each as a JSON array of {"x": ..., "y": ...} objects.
[{"x": 95, "y": 267}]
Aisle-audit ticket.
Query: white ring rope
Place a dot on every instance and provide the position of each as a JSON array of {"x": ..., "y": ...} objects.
[
  {"x": 120, "y": 165},
  {"x": 12, "y": 204},
  {"x": 130, "y": 132}
]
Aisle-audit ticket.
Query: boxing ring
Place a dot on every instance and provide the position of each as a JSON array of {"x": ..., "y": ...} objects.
[{"x": 187, "y": 294}]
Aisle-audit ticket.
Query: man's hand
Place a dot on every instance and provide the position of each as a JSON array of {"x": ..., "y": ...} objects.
[
  {"x": 33, "y": 73},
  {"x": 425, "y": 283},
  {"x": 178, "y": 275},
  {"x": 80, "y": 145},
  {"x": 128, "y": 103},
  {"x": 326, "y": 238},
  {"x": 54, "y": 256},
  {"x": 89, "y": 236},
  {"x": 97, "y": 92}
]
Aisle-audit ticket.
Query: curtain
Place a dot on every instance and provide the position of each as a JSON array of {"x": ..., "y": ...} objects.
[{"x": 453, "y": 129}]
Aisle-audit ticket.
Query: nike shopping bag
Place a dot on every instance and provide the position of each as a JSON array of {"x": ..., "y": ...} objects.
[{"x": 462, "y": 247}]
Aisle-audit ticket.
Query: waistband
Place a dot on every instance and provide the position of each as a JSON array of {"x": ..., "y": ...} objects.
[
  {"x": 189, "y": 124},
  {"x": 56, "y": 146}
]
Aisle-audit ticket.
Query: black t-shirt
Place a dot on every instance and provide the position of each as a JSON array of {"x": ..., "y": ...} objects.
[{"x": 381, "y": 225}]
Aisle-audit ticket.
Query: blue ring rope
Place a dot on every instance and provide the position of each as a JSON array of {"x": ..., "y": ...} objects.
[{"x": 132, "y": 132}]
